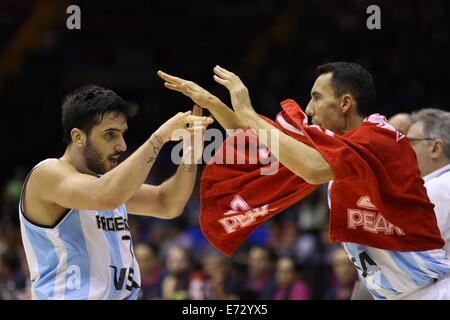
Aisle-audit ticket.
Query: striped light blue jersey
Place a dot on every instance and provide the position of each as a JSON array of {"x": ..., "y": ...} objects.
[
  {"x": 392, "y": 274},
  {"x": 87, "y": 255}
]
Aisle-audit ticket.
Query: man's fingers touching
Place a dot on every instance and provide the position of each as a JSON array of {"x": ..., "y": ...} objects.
[
  {"x": 201, "y": 120},
  {"x": 197, "y": 110}
]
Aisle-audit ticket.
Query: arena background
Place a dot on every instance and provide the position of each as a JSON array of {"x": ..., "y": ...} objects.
[{"x": 273, "y": 45}]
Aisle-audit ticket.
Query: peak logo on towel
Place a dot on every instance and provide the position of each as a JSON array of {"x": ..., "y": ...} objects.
[
  {"x": 242, "y": 215},
  {"x": 370, "y": 221}
]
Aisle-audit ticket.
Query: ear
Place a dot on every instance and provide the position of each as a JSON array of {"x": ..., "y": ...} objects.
[
  {"x": 437, "y": 148},
  {"x": 78, "y": 137},
  {"x": 346, "y": 103}
]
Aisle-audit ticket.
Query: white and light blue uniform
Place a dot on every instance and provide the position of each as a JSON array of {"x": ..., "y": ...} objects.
[
  {"x": 393, "y": 274},
  {"x": 437, "y": 184},
  {"x": 88, "y": 254}
]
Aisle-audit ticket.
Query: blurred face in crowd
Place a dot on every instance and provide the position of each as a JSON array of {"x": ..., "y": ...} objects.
[
  {"x": 146, "y": 258},
  {"x": 422, "y": 148},
  {"x": 105, "y": 142},
  {"x": 325, "y": 108},
  {"x": 285, "y": 273},
  {"x": 177, "y": 261},
  {"x": 214, "y": 266},
  {"x": 259, "y": 263},
  {"x": 343, "y": 268}
]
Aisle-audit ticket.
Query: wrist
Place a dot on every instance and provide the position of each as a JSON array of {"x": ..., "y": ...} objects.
[
  {"x": 215, "y": 104},
  {"x": 247, "y": 118},
  {"x": 158, "y": 139},
  {"x": 188, "y": 168}
]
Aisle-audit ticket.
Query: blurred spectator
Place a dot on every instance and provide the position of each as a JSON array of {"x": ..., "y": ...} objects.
[
  {"x": 221, "y": 283},
  {"x": 198, "y": 286},
  {"x": 179, "y": 264},
  {"x": 430, "y": 139},
  {"x": 345, "y": 276},
  {"x": 176, "y": 235},
  {"x": 288, "y": 284},
  {"x": 401, "y": 122},
  {"x": 151, "y": 272},
  {"x": 292, "y": 242},
  {"x": 260, "y": 282}
]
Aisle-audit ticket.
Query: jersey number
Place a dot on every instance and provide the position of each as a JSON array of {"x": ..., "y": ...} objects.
[
  {"x": 119, "y": 279},
  {"x": 368, "y": 268}
]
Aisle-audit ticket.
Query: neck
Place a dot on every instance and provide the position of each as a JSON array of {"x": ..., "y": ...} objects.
[
  {"x": 75, "y": 158},
  {"x": 438, "y": 164},
  {"x": 351, "y": 122}
]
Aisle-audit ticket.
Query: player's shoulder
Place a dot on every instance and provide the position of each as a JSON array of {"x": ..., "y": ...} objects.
[
  {"x": 376, "y": 129},
  {"x": 49, "y": 168}
]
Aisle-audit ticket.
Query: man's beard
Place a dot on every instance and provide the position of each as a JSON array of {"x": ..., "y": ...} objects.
[{"x": 93, "y": 159}]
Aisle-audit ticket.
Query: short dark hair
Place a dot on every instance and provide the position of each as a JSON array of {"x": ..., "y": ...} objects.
[
  {"x": 85, "y": 107},
  {"x": 352, "y": 78}
]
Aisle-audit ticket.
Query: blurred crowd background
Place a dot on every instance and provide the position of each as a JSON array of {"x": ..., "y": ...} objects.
[{"x": 274, "y": 46}]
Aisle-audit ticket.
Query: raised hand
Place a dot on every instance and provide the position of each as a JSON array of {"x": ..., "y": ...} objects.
[
  {"x": 193, "y": 148},
  {"x": 180, "y": 121},
  {"x": 199, "y": 95},
  {"x": 224, "y": 115},
  {"x": 240, "y": 98}
]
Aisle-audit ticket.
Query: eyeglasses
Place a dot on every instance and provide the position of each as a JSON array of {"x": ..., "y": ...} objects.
[{"x": 413, "y": 140}]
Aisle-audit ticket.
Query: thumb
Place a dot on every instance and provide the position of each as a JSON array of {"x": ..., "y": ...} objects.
[{"x": 197, "y": 110}]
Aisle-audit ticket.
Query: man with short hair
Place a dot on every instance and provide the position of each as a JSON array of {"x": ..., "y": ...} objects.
[
  {"x": 379, "y": 208},
  {"x": 430, "y": 138},
  {"x": 429, "y": 135},
  {"x": 73, "y": 210}
]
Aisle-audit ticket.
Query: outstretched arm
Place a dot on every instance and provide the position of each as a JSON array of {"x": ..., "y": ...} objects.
[
  {"x": 168, "y": 200},
  {"x": 60, "y": 184},
  {"x": 224, "y": 115},
  {"x": 301, "y": 159}
]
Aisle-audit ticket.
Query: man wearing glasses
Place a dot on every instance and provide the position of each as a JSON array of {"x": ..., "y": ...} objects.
[{"x": 430, "y": 138}]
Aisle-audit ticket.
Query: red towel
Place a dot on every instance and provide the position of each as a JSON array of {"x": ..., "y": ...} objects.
[{"x": 377, "y": 197}]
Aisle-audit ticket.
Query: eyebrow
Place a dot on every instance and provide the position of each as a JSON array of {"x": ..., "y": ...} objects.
[
  {"x": 315, "y": 93},
  {"x": 115, "y": 129}
]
